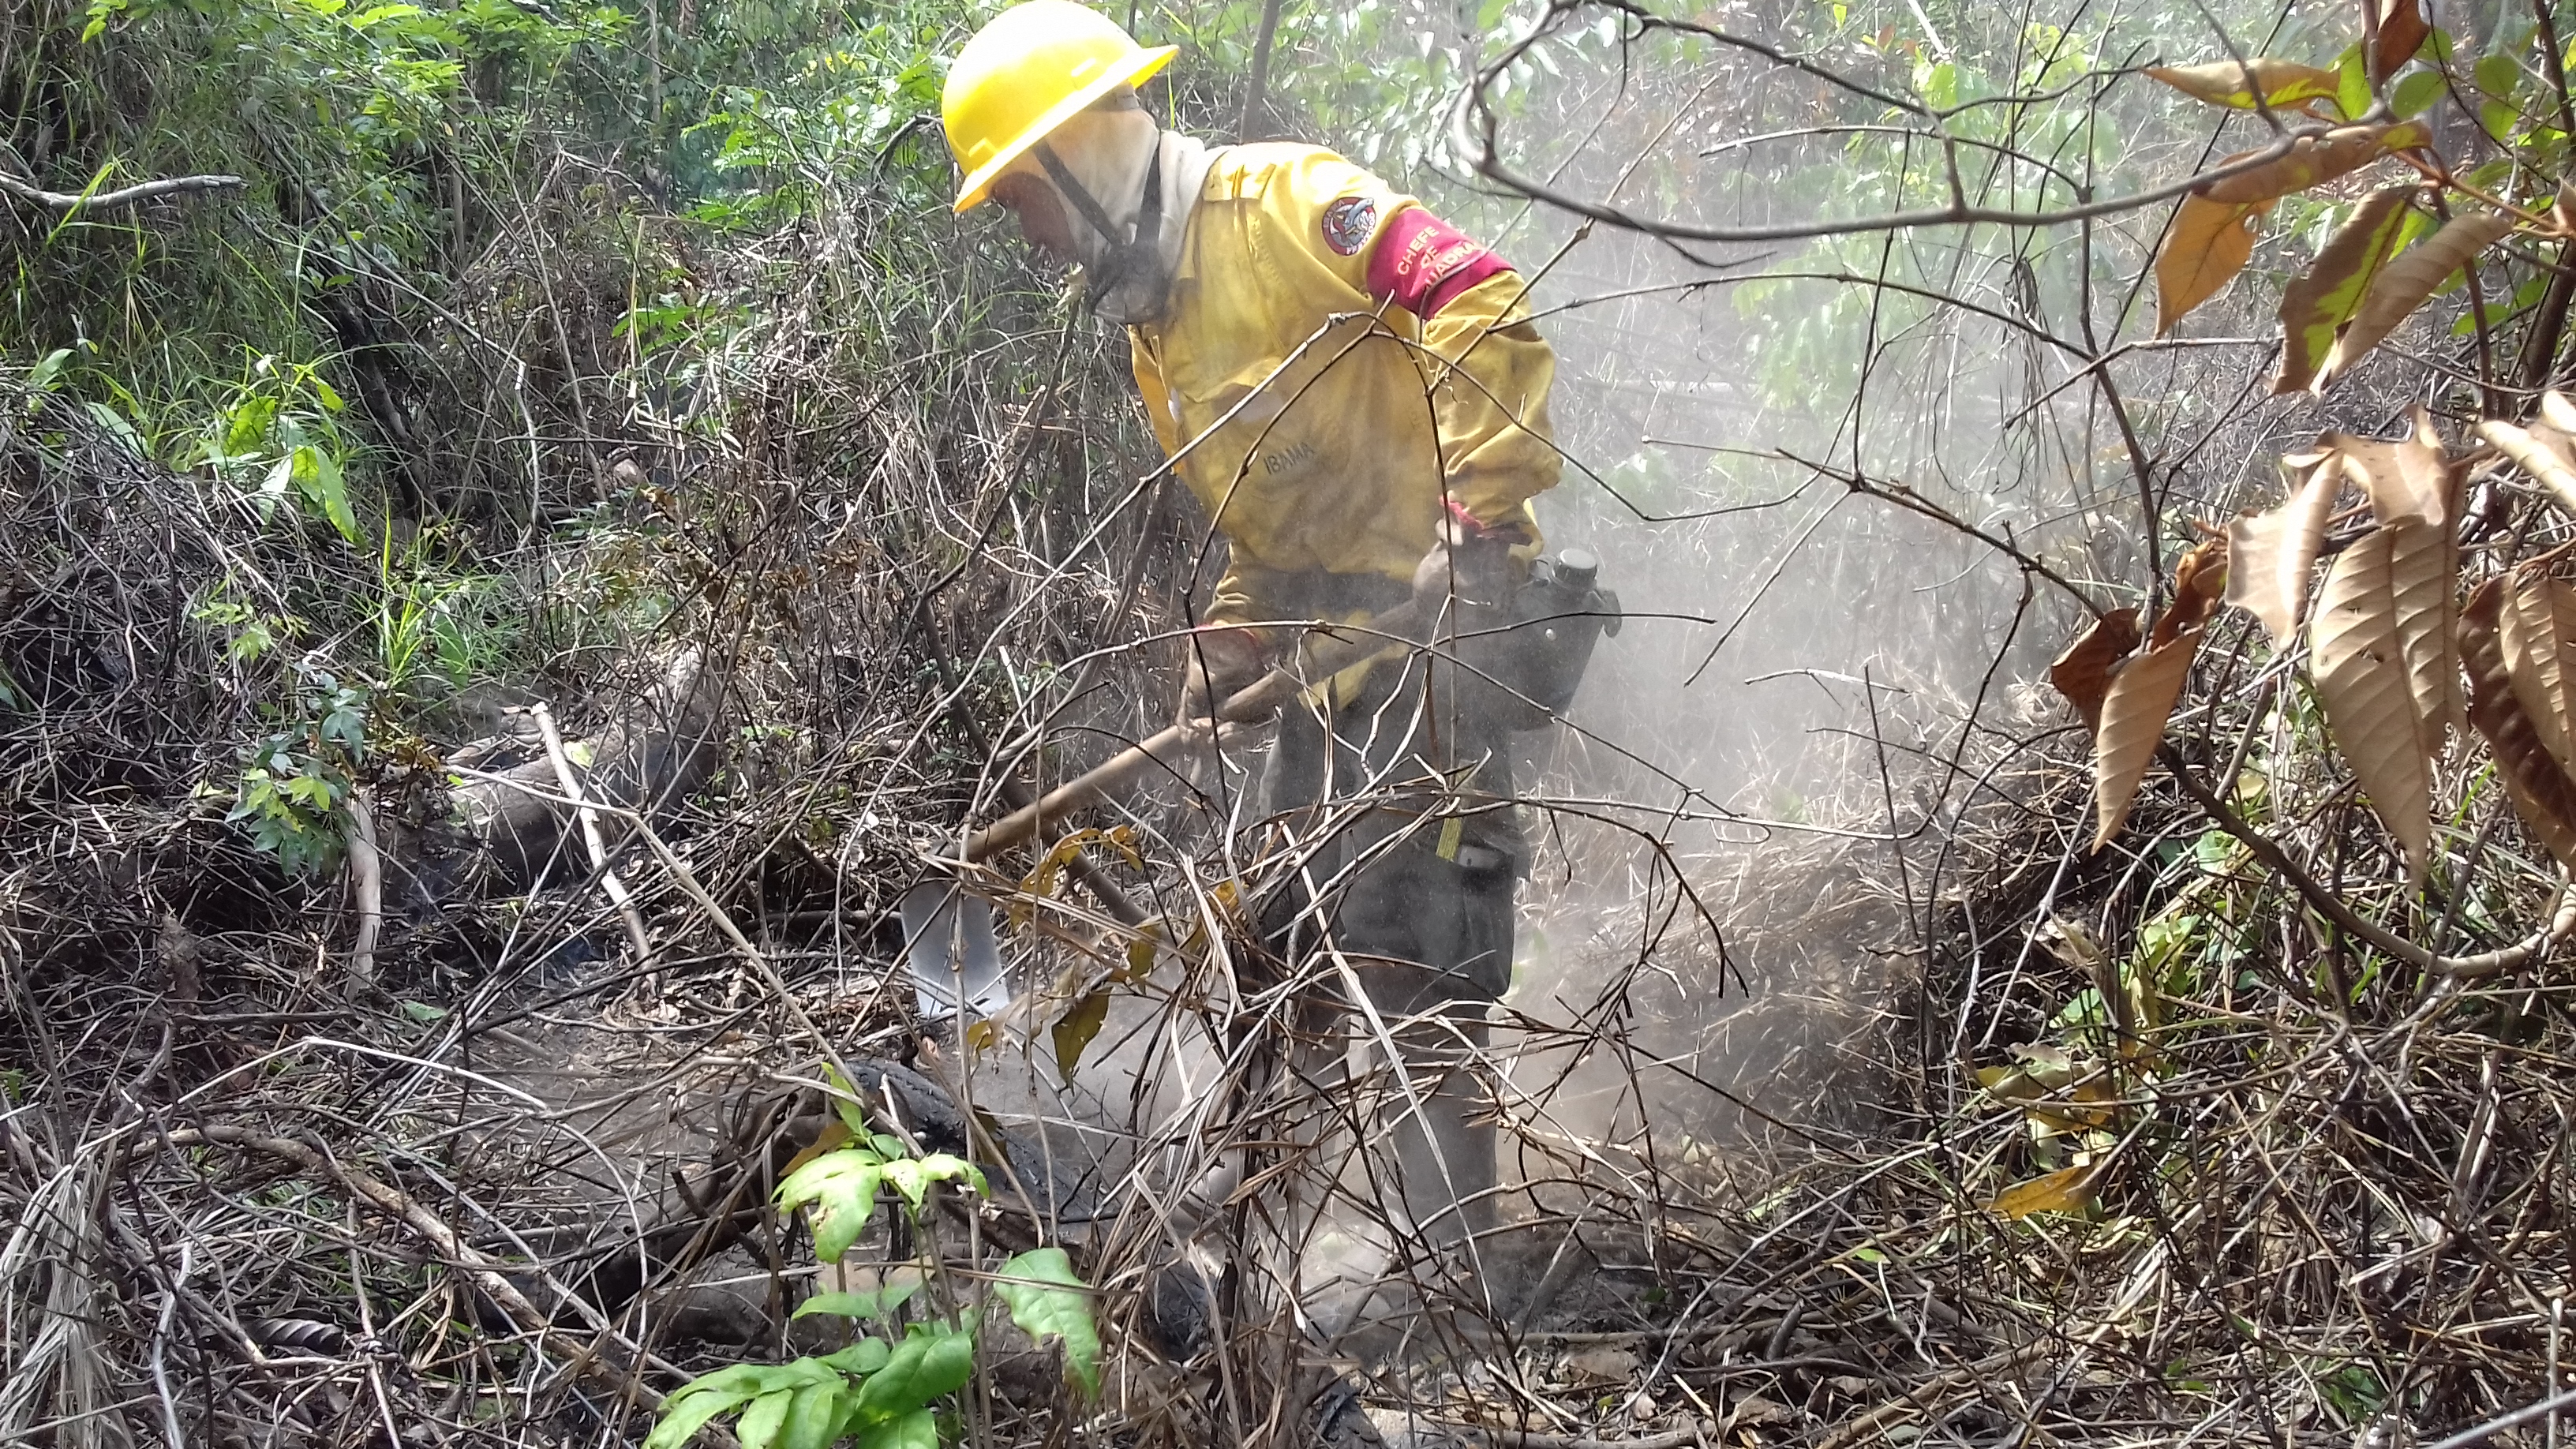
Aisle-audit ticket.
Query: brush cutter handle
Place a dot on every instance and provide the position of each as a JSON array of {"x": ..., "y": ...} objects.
[{"x": 1323, "y": 656}]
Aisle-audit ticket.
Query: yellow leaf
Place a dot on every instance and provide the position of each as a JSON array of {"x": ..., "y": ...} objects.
[
  {"x": 2407, "y": 282},
  {"x": 2223, "y": 83},
  {"x": 2083, "y": 673},
  {"x": 2315, "y": 307},
  {"x": 2142, "y": 694},
  {"x": 2271, "y": 555},
  {"x": 2313, "y": 160},
  {"x": 1140, "y": 955},
  {"x": 2066, "y": 1190},
  {"x": 2358, "y": 660},
  {"x": 2537, "y": 631},
  {"x": 2541, "y": 791},
  {"x": 1075, "y": 1029},
  {"x": 2210, "y": 242}
]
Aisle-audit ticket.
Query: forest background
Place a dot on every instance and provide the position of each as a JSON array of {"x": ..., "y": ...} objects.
[{"x": 497, "y": 353}]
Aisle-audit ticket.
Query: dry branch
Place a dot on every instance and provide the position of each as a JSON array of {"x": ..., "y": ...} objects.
[{"x": 68, "y": 201}]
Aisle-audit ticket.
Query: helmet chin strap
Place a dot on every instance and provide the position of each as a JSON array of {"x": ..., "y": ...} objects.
[{"x": 1128, "y": 258}]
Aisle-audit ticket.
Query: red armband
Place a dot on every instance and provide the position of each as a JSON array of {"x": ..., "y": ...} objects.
[
  {"x": 1422, "y": 263},
  {"x": 1511, "y": 532}
]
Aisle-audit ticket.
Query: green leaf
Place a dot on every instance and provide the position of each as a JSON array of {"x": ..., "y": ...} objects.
[
  {"x": 913, "y": 1176},
  {"x": 845, "y": 1102},
  {"x": 861, "y": 1358},
  {"x": 331, "y": 490},
  {"x": 1047, "y": 1301},
  {"x": 929, "y": 1363},
  {"x": 840, "y": 1305},
  {"x": 2498, "y": 75},
  {"x": 879, "y": 1304},
  {"x": 2416, "y": 93},
  {"x": 813, "y": 1418},
  {"x": 842, "y": 1186},
  {"x": 689, "y": 1408},
  {"x": 759, "y": 1425},
  {"x": 2315, "y": 307},
  {"x": 916, "y": 1430},
  {"x": 114, "y": 421},
  {"x": 1075, "y": 1029},
  {"x": 48, "y": 370},
  {"x": 2352, "y": 85}
]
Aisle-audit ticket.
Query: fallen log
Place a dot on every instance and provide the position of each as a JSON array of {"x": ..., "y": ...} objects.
[{"x": 518, "y": 818}]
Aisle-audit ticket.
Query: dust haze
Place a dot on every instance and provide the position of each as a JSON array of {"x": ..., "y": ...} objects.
[{"x": 1779, "y": 738}]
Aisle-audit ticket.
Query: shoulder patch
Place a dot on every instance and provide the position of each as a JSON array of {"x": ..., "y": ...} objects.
[{"x": 1349, "y": 223}]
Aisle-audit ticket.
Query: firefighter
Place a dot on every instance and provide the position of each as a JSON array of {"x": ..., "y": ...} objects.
[{"x": 1352, "y": 390}]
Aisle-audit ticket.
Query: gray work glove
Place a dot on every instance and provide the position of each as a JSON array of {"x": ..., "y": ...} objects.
[{"x": 1223, "y": 659}]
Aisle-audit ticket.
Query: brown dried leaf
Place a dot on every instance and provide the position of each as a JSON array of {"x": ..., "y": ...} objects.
[
  {"x": 2423, "y": 566},
  {"x": 2315, "y": 307},
  {"x": 2407, "y": 282},
  {"x": 2209, "y": 244},
  {"x": 2358, "y": 660},
  {"x": 2083, "y": 673},
  {"x": 2402, "y": 31},
  {"x": 2200, "y": 585},
  {"x": 1600, "y": 1364},
  {"x": 2313, "y": 160},
  {"x": 2066, "y": 1190},
  {"x": 2222, "y": 82},
  {"x": 2270, "y": 556},
  {"x": 2404, "y": 478},
  {"x": 2541, "y": 792},
  {"x": 2134, "y": 710},
  {"x": 2534, "y": 456},
  {"x": 2537, "y": 632}
]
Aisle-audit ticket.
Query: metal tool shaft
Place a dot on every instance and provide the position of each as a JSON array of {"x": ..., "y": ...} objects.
[{"x": 1323, "y": 656}]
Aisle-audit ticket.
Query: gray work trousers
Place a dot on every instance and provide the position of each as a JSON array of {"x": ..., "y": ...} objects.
[{"x": 1405, "y": 877}]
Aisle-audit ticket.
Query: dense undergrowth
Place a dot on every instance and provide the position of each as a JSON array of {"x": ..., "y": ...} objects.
[{"x": 540, "y": 346}]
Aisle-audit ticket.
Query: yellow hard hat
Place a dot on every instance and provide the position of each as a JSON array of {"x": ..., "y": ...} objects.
[{"x": 1034, "y": 67}]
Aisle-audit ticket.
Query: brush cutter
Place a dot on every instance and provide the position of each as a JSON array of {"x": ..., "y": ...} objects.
[
  {"x": 1538, "y": 654},
  {"x": 948, "y": 936}
]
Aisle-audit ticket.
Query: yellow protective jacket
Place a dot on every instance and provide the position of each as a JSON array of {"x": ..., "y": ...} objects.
[{"x": 1305, "y": 372}]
